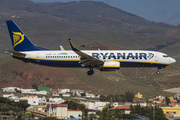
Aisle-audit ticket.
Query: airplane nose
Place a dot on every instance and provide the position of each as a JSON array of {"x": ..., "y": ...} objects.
[{"x": 172, "y": 60}]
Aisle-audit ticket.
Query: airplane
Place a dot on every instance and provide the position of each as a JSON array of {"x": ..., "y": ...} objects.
[{"x": 104, "y": 60}]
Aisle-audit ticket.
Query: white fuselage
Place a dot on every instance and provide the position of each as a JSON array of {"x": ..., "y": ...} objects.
[{"x": 127, "y": 58}]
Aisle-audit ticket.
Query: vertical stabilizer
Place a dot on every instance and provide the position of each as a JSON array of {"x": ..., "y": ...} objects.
[{"x": 19, "y": 40}]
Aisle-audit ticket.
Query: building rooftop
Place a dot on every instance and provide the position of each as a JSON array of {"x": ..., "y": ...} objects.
[
  {"x": 53, "y": 91},
  {"x": 124, "y": 107},
  {"x": 57, "y": 105}
]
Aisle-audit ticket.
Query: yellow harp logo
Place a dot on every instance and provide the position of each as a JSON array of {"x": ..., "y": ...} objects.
[{"x": 18, "y": 38}]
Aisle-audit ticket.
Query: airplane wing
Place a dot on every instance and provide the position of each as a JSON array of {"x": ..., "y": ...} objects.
[
  {"x": 86, "y": 59},
  {"x": 16, "y": 53}
]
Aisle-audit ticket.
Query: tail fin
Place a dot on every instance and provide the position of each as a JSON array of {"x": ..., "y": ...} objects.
[
  {"x": 19, "y": 40},
  {"x": 72, "y": 46}
]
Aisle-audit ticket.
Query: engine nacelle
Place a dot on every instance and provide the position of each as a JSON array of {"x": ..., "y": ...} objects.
[{"x": 110, "y": 66}]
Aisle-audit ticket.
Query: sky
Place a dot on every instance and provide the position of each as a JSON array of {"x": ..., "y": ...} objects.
[{"x": 167, "y": 11}]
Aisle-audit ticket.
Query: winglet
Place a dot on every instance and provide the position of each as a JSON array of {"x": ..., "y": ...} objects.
[
  {"x": 62, "y": 49},
  {"x": 72, "y": 46}
]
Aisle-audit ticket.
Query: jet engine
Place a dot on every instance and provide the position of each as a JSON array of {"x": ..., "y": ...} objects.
[{"x": 110, "y": 66}]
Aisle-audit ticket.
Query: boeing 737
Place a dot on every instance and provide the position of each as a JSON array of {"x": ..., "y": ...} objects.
[{"x": 104, "y": 60}]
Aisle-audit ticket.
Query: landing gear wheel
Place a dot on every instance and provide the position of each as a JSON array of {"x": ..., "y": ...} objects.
[
  {"x": 90, "y": 72},
  {"x": 158, "y": 72}
]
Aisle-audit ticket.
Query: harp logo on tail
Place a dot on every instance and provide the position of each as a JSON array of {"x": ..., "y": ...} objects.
[{"x": 18, "y": 38}]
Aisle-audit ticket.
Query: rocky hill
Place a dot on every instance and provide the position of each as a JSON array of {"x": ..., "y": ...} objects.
[
  {"x": 174, "y": 32},
  {"x": 91, "y": 25},
  {"x": 56, "y": 22}
]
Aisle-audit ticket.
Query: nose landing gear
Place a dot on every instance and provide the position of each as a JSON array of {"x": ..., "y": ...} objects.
[
  {"x": 160, "y": 68},
  {"x": 158, "y": 71}
]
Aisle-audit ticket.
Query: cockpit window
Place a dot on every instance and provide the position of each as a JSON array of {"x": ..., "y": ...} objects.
[{"x": 165, "y": 56}]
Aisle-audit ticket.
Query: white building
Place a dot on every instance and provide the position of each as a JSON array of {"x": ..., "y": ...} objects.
[
  {"x": 55, "y": 94},
  {"x": 28, "y": 91},
  {"x": 63, "y": 91},
  {"x": 89, "y": 95},
  {"x": 42, "y": 101},
  {"x": 33, "y": 101},
  {"x": 60, "y": 100},
  {"x": 39, "y": 92},
  {"x": 67, "y": 95},
  {"x": 59, "y": 111},
  {"x": 160, "y": 97},
  {"x": 95, "y": 105},
  {"x": 10, "y": 96},
  {"x": 75, "y": 114},
  {"x": 77, "y": 92},
  {"x": 141, "y": 104},
  {"x": 115, "y": 104},
  {"x": 10, "y": 89}
]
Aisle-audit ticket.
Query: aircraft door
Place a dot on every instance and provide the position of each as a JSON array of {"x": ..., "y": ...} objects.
[
  {"x": 156, "y": 57},
  {"x": 37, "y": 57}
]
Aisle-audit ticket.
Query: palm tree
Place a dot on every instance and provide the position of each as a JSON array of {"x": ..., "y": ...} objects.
[{"x": 86, "y": 112}]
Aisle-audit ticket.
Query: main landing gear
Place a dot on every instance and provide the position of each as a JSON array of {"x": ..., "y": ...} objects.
[{"x": 90, "y": 72}]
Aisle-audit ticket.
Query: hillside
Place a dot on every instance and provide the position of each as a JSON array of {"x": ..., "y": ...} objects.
[
  {"x": 91, "y": 25},
  {"x": 56, "y": 22},
  {"x": 174, "y": 32}
]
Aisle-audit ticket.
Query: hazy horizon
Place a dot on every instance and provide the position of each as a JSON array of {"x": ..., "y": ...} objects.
[{"x": 153, "y": 10}]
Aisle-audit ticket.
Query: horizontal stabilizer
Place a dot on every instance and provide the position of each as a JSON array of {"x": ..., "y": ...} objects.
[{"x": 16, "y": 53}]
